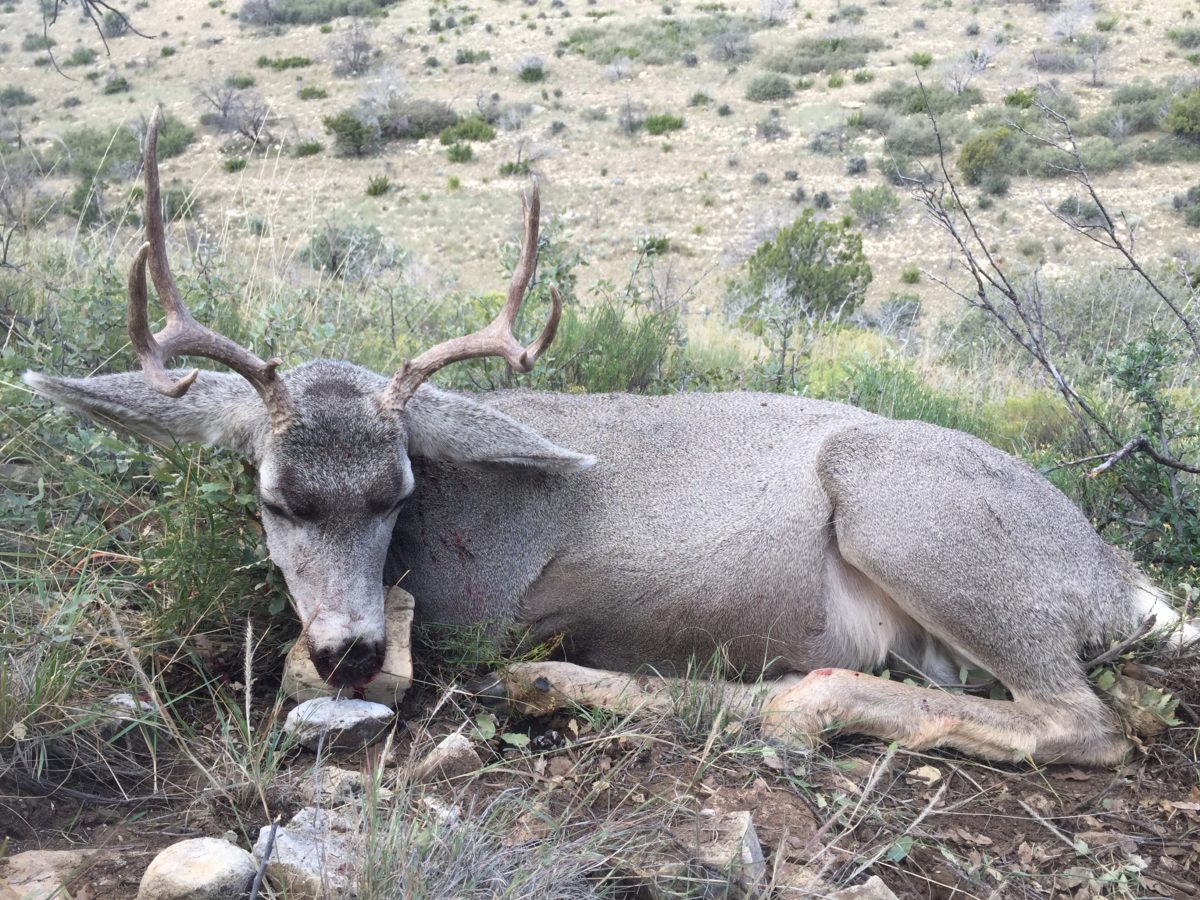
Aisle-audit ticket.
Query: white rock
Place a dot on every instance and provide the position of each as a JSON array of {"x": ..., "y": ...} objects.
[
  {"x": 198, "y": 869},
  {"x": 871, "y": 889},
  {"x": 301, "y": 681},
  {"x": 316, "y": 856},
  {"x": 454, "y": 757},
  {"x": 40, "y": 874},
  {"x": 343, "y": 724}
]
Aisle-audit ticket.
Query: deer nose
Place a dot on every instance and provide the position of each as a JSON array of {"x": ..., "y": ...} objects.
[{"x": 349, "y": 664}]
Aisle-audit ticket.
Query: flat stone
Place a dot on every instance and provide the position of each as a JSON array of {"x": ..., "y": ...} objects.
[
  {"x": 301, "y": 681},
  {"x": 199, "y": 869},
  {"x": 337, "y": 724},
  {"x": 454, "y": 757},
  {"x": 40, "y": 874},
  {"x": 316, "y": 856}
]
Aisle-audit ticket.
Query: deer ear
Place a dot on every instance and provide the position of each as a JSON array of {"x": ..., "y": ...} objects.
[
  {"x": 219, "y": 408},
  {"x": 455, "y": 428}
]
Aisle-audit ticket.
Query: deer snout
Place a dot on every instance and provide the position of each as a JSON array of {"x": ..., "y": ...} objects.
[{"x": 350, "y": 663}]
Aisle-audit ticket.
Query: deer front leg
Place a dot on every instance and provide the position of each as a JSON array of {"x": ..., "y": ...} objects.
[
  {"x": 1073, "y": 728},
  {"x": 539, "y": 688}
]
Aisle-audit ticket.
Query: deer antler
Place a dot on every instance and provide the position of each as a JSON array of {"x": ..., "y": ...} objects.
[
  {"x": 183, "y": 335},
  {"x": 494, "y": 339}
]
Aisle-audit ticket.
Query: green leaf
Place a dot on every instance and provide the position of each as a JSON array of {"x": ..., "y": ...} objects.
[
  {"x": 900, "y": 848},
  {"x": 485, "y": 726},
  {"x": 520, "y": 741}
]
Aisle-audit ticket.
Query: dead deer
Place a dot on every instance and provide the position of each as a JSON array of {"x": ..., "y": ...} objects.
[{"x": 809, "y": 542}]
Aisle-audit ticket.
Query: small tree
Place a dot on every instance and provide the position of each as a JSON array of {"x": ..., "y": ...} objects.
[
  {"x": 1094, "y": 46},
  {"x": 354, "y": 134},
  {"x": 874, "y": 206},
  {"x": 1184, "y": 117},
  {"x": 811, "y": 272},
  {"x": 353, "y": 50}
]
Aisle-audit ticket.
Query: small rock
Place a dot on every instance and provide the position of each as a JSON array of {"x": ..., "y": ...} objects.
[
  {"x": 301, "y": 681},
  {"x": 454, "y": 757},
  {"x": 343, "y": 724},
  {"x": 442, "y": 812},
  {"x": 40, "y": 874},
  {"x": 316, "y": 856},
  {"x": 926, "y": 775},
  {"x": 871, "y": 889},
  {"x": 198, "y": 869}
]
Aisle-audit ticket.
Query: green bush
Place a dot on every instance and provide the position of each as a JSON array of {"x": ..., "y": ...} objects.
[
  {"x": 1080, "y": 211},
  {"x": 117, "y": 85},
  {"x": 1021, "y": 98},
  {"x": 80, "y": 56},
  {"x": 920, "y": 59},
  {"x": 1183, "y": 119},
  {"x": 460, "y": 153},
  {"x": 378, "y": 185},
  {"x": 911, "y": 136},
  {"x": 312, "y": 92},
  {"x": 307, "y": 12},
  {"x": 234, "y": 164},
  {"x": 1188, "y": 203},
  {"x": 353, "y": 133},
  {"x": 467, "y": 57},
  {"x": 14, "y": 96},
  {"x": 825, "y": 54},
  {"x": 93, "y": 152},
  {"x": 1187, "y": 38},
  {"x": 989, "y": 152},
  {"x": 911, "y": 99},
  {"x": 769, "y": 88},
  {"x": 37, "y": 42},
  {"x": 515, "y": 167},
  {"x": 309, "y": 148},
  {"x": 280, "y": 63},
  {"x": 240, "y": 82},
  {"x": 874, "y": 206},
  {"x": 531, "y": 70},
  {"x": 910, "y": 274},
  {"x": 401, "y": 119},
  {"x": 472, "y": 129},
  {"x": 663, "y": 123},
  {"x": 349, "y": 252}
]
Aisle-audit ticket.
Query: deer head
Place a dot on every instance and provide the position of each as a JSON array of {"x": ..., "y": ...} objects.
[{"x": 331, "y": 441}]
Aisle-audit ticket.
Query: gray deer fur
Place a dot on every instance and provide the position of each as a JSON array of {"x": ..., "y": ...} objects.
[{"x": 793, "y": 535}]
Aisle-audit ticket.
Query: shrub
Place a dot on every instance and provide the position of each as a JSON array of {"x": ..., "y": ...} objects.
[
  {"x": 1183, "y": 118},
  {"x": 312, "y": 92},
  {"x": 910, "y": 274},
  {"x": 309, "y": 148},
  {"x": 467, "y": 57},
  {"x": 995, "y": 184},
  {"x": 836, "y": 80},
  {"x": 810, "y": 271},
  {"x": 531, "y": 70},
  {"x": 14, "y": 96},
  {"x": 401, "y": 119},
  {"x": 80, "y": 56},
  {"x": 1080, "y": 211},
  {"x": 911, "y": 136},
  {"x": 354, "y": 133},
  {"x": 822, "y": 200},
  {"x": 118, "y": 85},
  {"x": 1187, "y": 38},
  {"x": 864, "y": 76},
  {"x": 378, "y": 185},
  {"x": 515, "y": 167},
  {"x": 349, "y": 252},
  {"x": 1061, "y": 60},
  {"x": 940, "y": 100},
  {"x": 856, "y": 165},
  {"x": 234, "y": 164},
  {"x": 460, "y": 153},
  {"x": 769, "y": 88},
  {"x": 37, "y": 42},
  {"x": 663, "y": 123},
  {"x": 874, "y": 206},
  {"x": 699, "y": 99},
  {"x": 771, "y": 130},
  {"x": 240, "y": 82},
  {"x": 988, "y": 152},
  {"x": 472, "y": 129},
  {"x": 114, "y": 24},
  {"x": 920, "y": 59},
  {"x": 96, "y": 152},
  {"x": 724, "y": 110},
  {"x": 280, "y": 63},
  {"x": 307, "y": 12},
  {"x": 760, "y": 179},
  {"x": 1021, "y": 98},
  {"x": 825, "y": 54}
]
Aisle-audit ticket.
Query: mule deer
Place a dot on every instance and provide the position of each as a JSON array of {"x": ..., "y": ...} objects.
[{"x": 807, "y": 541}]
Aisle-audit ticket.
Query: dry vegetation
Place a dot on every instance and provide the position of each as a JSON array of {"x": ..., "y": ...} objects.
[{"x": 338, "y": 185}]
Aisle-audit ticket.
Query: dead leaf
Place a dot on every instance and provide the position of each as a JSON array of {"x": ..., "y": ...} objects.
[{"x": 926, "y": 775}]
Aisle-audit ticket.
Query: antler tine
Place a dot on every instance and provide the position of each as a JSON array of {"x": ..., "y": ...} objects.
[
  {"x": 495, "y": 338},
  {"x": 183, "y": 335}
]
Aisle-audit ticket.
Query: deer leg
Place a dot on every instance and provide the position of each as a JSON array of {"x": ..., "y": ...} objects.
[
  {"x": 1074, "y": 728},
  {"x": 539, "y": 688}
]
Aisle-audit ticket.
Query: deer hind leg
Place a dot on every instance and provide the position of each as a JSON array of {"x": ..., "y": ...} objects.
[{"x": 1076, "y": 728}]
